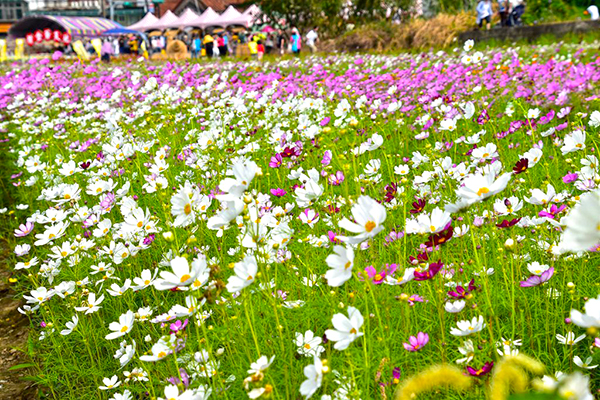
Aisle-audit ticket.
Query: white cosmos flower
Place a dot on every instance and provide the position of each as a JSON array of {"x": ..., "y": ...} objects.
[
  {"x": 260, "y": 365},
  {"x": 182, "y": 205},
  {"x": 70, "y": 326},
  {"x": 341, "y": 263},
  {"x": 448, "y": 124},
  {"x": 22, "y": 249},
  {"x": 346, "y": 329},
  {"x": 573, "y": 141},
  {"x": 369, "y": 215},
  {"x": 314, "y": 378},
  {"x": 466, "y": 328},
  {"x": 122, "y": 327},
  {"x": 243, "y": 172},
  {"x": 309, "y": 344},
  {"x": 467, "y": 350},
  {"x": 569, "y": 339},
  {"x": 159, "y": 350},
  {"x": 575, "y": 386},
  {"x": 585, "y": 365},
  {"x": 401, "y": 169},
  {"x": 93, "y": 304},
  {"x": 583, "y": 224},
  {"x": 536, "y": 268},
  {"x": 435, "y": 223},
  {"x": 479, "y": 187},
  {"x": 487, "y": 152},
  {"x": 595, "y": 119},
  {"x": 468, "y": 45},
  {"x": 245, "y": 273},
  {"x": 125, "y": 353},
  {"x": 591, "y": 318},
  {"x": 182, "y": 276},
  {"x": 110, "y": 383},
  {"x": 455, "y": 307}
]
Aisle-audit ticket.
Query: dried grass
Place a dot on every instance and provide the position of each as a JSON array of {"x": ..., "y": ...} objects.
[{"x": 440, "y": 31}]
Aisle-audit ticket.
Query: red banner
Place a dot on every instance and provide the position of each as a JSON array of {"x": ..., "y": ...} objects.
[
  {"x": 57, "y": 36},
  {"x": 39, "y": 36},
  {"x": 47, "y": 34},
  {"x": 29, "y": 39}
]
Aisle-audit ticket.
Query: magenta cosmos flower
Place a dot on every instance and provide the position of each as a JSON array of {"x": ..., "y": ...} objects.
[
  {"x": 278, "y": 192},
  {"x": 434, "y": 268},
  {"x": 570, "y": 177},
  {"x": 487, "y": 367},
  {"x": 417, "y": 343}
]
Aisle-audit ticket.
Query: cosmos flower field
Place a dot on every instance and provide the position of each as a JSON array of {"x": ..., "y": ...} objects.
[{"x": 324, "y": 227}]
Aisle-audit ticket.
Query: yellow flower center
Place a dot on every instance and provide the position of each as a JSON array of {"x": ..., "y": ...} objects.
[
  {"x": 483, "y": 191},
  {"x": 370, "y": 225},
  {"x": 124, "y": 329},
  {"x": 187, "y": 209},
  {"x": 184, "y": 278},
  {"x": 348, "y": 265}
]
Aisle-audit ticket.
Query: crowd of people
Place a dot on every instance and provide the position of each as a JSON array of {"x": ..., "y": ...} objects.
[
  {"x": 509, "y": 11},
  {"x": 220, "y": 43}
]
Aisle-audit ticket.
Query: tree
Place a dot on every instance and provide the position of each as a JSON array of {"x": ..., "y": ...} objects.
[{"x": 300, "y": 13}]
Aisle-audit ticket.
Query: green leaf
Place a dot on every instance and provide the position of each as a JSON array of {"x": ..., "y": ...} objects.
[{"x": 21, "y": 366}]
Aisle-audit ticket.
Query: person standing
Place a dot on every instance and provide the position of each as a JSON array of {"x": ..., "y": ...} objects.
[
  {"x": 592, "y": 10},
  {"x": 253, "y": 47},
  {"x": 222, "y": 45},
  {"x": 209, "y": 43},
  {"x": 503, "y": 9},
  {"x": 311, "y": 39},
  {"x": 484, "y": 13},
  {"x": 296, "y": 40},
  {"x": 116, "y": 46},
  {"x": 280, "y": 42},
  {"x": 106, "y": 50},
  {"x": 260, "y": 50}
]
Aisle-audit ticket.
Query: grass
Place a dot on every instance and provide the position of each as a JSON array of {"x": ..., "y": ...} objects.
[{"x": 203, "y": 119}]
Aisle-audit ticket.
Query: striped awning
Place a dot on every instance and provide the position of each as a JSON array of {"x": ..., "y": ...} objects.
[{"x": 76, "y": 26}]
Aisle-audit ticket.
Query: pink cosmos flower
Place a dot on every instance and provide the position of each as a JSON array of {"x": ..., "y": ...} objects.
[
  {"x": 536, "y": 280},
  {"x": 326, "y": 158},
  {"x": 417, "y": 343},
  {"x": 178, "y": 326},
  {"x": 333, "y": 237},
  {"x": 570, "y": 177},
  {"x": 276, "y": 161},
  {"x": 554, "y": 210},
  {"x": 336, "y": 179},
  {"x": 24, "y": 229},
  {"x": 278, "y": 192}
]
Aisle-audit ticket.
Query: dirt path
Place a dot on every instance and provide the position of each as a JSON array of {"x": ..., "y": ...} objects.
[{"x": 14, "y": 329}]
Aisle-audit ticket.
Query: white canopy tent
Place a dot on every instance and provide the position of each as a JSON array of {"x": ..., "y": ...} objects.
[
  {"x": 207, "y": 17},
  {"x": 164, "y": 21},
  {"x": 186, "y": 19},
  {"x": 225, "y": 19},
  {"x": 143, "y": 24}
]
